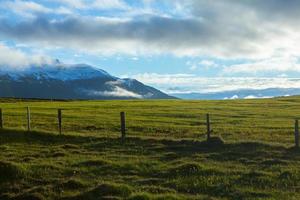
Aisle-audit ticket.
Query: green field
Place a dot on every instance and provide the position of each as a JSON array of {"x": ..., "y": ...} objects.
[{"x": 165, "y": 155}]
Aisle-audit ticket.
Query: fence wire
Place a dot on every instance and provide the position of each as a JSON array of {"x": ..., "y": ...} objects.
[{"x": 179, "y": 123}]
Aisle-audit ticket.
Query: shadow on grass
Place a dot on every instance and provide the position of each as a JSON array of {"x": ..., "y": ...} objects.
[{"x": 173, "y": 149}]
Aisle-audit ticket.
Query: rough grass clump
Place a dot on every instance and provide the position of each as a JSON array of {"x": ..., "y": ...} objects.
[
  {"x": 158, "y": 189},
  {"x": 10, "y": 171},
  {"x": 147, "y": 196},
  {"x": 58, "y": 154},
  {"x": 94, "y": 163},
  {"x": 72, "y": 184},
  {"x": 143, "y": 196},
  {"x": 257, "y": 179},
  {"x": 105, "y": 191},
  {"x": 271, "y": 162},
  {"x": 33, "y": 196},
  {"x": 186, "y": 169},
  {"x": 70, "y": 146}
]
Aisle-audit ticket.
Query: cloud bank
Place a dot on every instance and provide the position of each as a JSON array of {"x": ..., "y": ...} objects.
[
  {"x": 263, "y": 33},
  {"x": 189, "y": 83},
  {"x": 229, "y": 28}
]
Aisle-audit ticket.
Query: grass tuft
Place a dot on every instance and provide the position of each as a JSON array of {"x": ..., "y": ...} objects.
[
  {"x": 72, "y": 184},
  {"x": 10, "y": 171},
  {"x": 186, "y": 169},
  {"x": 104, "y": 191},
  {"x": 34, "y": 196}
]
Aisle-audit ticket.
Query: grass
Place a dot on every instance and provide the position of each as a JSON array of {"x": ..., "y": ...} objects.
[{"x": 164, "y": 157}]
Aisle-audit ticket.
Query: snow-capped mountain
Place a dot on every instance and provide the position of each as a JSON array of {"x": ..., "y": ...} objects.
[{"x": 80, "y": 81}]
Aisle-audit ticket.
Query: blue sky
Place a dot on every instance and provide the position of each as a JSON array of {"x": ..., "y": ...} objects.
[{"x": 190, "y": 45}]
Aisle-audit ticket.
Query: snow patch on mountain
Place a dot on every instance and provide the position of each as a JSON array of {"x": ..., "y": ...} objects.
[{"x": 57, "y": 71}]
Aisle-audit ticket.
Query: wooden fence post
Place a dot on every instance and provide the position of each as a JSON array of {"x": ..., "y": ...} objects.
[
  {"x": 59, "y": 116},
  {"x": 123, "y": 126},
  {"x": 208, "y": 126},
  {"x": 297, "y": 133},
  {"x": 1, "y": 119},
  {"x": 28, "y": 119}
]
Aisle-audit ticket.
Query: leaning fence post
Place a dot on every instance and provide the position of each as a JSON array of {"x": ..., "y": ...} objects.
[
  {"x": 59, "y": 115},
  {"x": 123, "y": 126},
  {"x": 208, "y": 126},
  {"x": 1, "y": 119},
  {"x": 28, "y": 119},
  {"x": 297, "y": 133}
]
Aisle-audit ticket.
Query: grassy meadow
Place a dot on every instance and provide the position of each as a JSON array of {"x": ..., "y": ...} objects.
[{"x": 165, "y": 155}]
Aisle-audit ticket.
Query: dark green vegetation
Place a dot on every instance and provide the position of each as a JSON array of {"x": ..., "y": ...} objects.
[{"x": 164, "y": 157}]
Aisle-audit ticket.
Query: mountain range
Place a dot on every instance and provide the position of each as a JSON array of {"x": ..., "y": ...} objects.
[
  {"x": 241, "y": 94},
  {"x": 80, "y": 81}
]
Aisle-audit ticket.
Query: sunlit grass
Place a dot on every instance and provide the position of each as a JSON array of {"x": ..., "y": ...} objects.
[
  {"x": 268, "y": 120},
  {"x": 164, "y": 157}
]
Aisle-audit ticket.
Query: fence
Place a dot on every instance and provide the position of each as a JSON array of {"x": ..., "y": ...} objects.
[{"x": 58, "y": 121}]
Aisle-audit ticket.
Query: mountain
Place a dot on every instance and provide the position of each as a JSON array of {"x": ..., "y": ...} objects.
[
  {"x": 61, "y": 81},
  {"x": 242, "y": 94}
]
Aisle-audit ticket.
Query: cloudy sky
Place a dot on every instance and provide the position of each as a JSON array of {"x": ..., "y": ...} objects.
[{"x": 175, "y": 45}]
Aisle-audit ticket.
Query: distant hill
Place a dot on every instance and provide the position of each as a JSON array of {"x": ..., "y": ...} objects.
[{"x": 61, "y": 81}]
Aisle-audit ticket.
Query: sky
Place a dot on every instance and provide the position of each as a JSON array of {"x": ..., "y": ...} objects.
[{"x": 178, "y": 46}]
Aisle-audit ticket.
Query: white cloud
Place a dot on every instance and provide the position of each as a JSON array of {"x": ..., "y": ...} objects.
[
  {"x": 193, "y": 67},
  {"x": 277, "y": 64},
  {"x": 135, "y": 58},
  {"x": 109, "y": 4},
  {"x": 11, "y": 58},
  {"x": 116, "y": 92},
  {"x": 95, "y": 4},
  {"x": 207, "y": 63},
  {"x": 21, "y": 6},
  {"x": 256, "y": 97},
  {"x": 78, "y": 4},
  {"x": 30, "y": 8}
]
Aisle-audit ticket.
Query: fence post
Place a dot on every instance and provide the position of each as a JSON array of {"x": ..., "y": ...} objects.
[
  {"x": 208, "y": 126},
  {"x": 123, "y": 126},
  {"x": 1, "y": 119},
  {"x": 28, "y": 119},
  {"x": 297, "y": 133},
  {"x": 59, "y": 115}
]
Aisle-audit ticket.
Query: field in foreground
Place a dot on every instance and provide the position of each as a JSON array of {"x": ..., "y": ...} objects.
[{"x": 164, "y": 156}]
